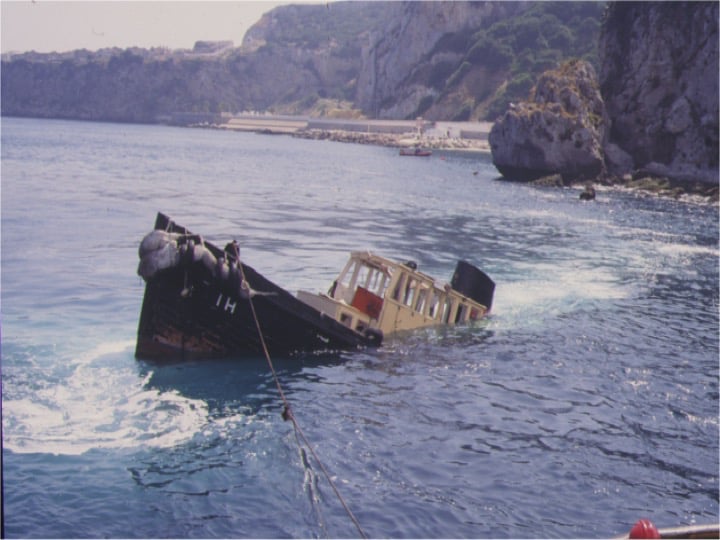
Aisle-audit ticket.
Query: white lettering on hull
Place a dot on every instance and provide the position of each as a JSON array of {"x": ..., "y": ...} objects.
[{"x": 229, "y": 306}]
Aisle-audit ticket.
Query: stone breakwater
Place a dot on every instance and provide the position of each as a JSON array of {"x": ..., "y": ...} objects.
[
  {"x": 395, "y": 140},
  {"x": 470, "y": 136}
]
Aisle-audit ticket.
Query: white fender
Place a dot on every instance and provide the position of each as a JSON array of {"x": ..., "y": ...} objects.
[
  {"x": 209, "y": 260},
  {"x": 165, "y": 257},
  {"x": 155, "y": 240},
  {"x": 198, "y": 252},
  {"x": 222, "y": 270}
]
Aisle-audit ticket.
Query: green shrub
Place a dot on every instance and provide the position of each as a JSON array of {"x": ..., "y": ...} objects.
[
  {"x": 456, "y": 42},
  {"x": 562, "y": 38},
  {"x": 424, "y": 105},
  {"x": 309, "y": 101},
  {"x": 519, "y": 87},
  {"x": 490, "y": 53},
  {"x": 456, "y": 77},
  {"x": 439, "y": 74},
  {"x": 498, "y": 106},
  {"x": 463, "y": 115}
]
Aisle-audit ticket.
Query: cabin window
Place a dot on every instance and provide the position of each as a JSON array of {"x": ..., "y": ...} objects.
[
  {"x": 364, "y": 274},
  {"x": 377, "y": 281},
  {"x": 409, "y": 296},
  {"x": 399, "y": 287},
  {"x": 420, "y": 304},
  {"x": 346, "y": 283},
  {"x": 434, "y": 304},
  {"x": 373, "y": 279},
  {"x": 346, "y": 319},
  {"x": 461, "y": 313},
  {"x": 447, "y": 310},
  {"x": 422, "y": 296},
  {"x": 346, "y": 276}
]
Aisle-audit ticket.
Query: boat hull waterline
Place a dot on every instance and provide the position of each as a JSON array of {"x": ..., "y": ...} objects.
[{"x": 197, "y": 302}]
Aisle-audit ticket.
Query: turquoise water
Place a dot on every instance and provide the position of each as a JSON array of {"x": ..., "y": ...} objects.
[{"x": 589, "y": 398}]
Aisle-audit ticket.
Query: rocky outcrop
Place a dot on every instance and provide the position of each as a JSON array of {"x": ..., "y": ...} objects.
[
  {"x": 561, "y": 129},
  {"x": 652, "y": 112},
  {"x": 659, "y": 81}
]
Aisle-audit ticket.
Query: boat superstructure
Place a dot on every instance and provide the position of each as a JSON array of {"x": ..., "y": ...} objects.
[{"x": 373, "y": 292}]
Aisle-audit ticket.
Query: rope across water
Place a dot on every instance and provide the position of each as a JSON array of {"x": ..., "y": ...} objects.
[{"x": 287, "y": 413}]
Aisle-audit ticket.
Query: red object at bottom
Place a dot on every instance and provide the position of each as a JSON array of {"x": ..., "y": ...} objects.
[{"x": 644, "y": 528}]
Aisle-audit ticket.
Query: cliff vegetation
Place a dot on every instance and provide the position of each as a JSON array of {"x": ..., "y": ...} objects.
[
  {"x": 442, "y": 60},
  {"x": 468, "y": 61},
  {"x": 650, "y": 113}
]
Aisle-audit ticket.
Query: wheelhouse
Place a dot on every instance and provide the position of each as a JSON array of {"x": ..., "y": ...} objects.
[{"x": 377, "y": 293}]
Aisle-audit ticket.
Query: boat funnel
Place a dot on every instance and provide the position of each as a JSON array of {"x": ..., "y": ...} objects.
[{"x": 473, "y": 283}]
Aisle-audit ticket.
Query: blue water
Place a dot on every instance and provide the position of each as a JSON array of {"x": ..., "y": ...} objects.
[{"x": 588, "y": 400}]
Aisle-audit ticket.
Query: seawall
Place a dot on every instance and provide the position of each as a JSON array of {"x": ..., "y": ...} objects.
[{"x": 399, "y": 133}]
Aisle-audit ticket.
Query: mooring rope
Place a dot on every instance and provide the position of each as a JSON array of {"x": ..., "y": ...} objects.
[{"x": 287, "y": 413}]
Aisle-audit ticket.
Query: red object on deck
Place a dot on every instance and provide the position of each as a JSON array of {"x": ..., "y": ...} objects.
[
  {"x": 644, "y": 528},
  {"x": 367, "y": 302}
]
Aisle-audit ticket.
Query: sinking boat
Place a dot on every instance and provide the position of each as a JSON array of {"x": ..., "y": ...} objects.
[{"x": 202, "y": 301}]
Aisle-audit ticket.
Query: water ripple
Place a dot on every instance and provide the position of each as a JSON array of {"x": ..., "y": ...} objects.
[{"x": 586, "y": 400}]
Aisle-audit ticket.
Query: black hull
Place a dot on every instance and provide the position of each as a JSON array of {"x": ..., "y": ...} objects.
[{"x": 188, "y": 313}]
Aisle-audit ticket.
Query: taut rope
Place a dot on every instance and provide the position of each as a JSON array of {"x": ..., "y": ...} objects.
[{"x": 287, "y": 413}]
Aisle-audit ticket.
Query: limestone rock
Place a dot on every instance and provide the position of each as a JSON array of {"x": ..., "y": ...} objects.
[
  {"x": 561, "y": 129},
  {"x": 588, "y": 194},
  {"x": 617, "y": 160},
  {"x": 659, "y": 80}
]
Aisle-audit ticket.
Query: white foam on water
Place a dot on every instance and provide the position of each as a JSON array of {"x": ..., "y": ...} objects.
[
  {"x": 552, "y": 291},
  {"x": 681, "y": 250},
  {"x": 653, "y": 257},
  {"x": 101, "y": 404}
]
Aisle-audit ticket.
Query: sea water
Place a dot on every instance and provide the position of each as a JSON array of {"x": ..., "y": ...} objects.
[{"x": 587, "y": 400}]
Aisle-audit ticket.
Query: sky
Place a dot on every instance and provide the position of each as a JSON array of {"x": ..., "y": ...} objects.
[{"x": 60, "y": 26}]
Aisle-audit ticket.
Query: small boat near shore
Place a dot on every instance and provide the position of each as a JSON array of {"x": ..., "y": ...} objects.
[
  {"x": 201, "y": 301},
  {"x": 416, "y": 152}
]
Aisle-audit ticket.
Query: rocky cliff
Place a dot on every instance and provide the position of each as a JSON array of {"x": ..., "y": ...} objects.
[
  {"x": 441, "y": 60},
  {"x": 418, "y": 40},
  {"x": 133, "y": 85},
  {"x": 294, "y": 55},
  {"x": 659, "y": 80},
  {"x": 653, "y": 110},
  {"x": 467, "y": 60}
]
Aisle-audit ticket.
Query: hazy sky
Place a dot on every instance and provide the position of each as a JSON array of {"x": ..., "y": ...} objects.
[{"x": 47, "y": 25}]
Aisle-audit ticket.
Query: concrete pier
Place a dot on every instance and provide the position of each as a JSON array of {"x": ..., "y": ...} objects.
[{"x": 401, "y": 133}]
